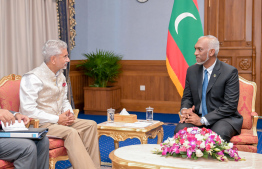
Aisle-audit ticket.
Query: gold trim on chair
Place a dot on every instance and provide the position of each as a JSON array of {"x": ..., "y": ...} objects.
[
  {"x": 52, "y": 161},
  {"x": 9, "y": 77}
]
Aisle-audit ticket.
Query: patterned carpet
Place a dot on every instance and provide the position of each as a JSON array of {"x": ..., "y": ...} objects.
[{"x": 106, "y": 144}]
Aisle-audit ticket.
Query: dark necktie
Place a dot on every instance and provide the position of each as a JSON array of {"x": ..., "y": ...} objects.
[{"x": 204, "y": 90}]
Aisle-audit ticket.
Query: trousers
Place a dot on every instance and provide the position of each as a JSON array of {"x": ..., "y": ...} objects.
[
  {"x": 25, "y": 153},
  {"x": 80, "y": 141}
]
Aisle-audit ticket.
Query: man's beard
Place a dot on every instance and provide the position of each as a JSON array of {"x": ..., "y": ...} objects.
[{"x": 201, "y": 63}]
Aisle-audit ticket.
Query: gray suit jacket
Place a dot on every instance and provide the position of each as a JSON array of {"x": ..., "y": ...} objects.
[{"x": 222, "y": 93}]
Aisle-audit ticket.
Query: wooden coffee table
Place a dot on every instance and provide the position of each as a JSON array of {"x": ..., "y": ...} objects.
[
  {"x": 140, "y": 156},
  {"x": 120, "y": 131}
]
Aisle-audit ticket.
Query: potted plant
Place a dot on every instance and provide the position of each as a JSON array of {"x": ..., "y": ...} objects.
[{"x": 102, "y": 67}]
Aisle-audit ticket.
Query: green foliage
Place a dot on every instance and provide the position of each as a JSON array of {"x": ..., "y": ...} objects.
[
  {"x": 103, "y": 66},
  {"x": 205, "y": 154}
]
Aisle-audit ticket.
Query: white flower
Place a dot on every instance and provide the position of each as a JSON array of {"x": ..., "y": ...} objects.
[
  {"x": 189, "y": 129},
  {"x": 230, "y": 145},
  {"x": 199, "y": 153},
  {"x": 172, "y": 142},
  {"x": 206, "y": 136},
  {"x": 202, "y": 145},
  {"x": 166, "y": 141},
  {"x": 199, "y": 137},
  {"x": 186, "y": 144}
]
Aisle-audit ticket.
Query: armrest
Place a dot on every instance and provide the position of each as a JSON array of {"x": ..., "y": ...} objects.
[
  {"x": 254, "y": 116},
  {"x": 34, "y": 122},
  {"x": 76, "y": 112}
]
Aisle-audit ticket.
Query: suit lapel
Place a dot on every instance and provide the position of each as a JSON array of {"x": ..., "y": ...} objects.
[
  {"x": 214, "y": 76},
  {"x": 199, "y": 82}
]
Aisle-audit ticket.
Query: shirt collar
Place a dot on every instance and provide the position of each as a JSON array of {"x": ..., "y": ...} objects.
[{"x": 210, "y": 69}]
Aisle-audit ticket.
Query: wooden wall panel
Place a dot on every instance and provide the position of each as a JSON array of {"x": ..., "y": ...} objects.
[
  {"x": 160, "y": 93},
  {"x": 234, "y": 18}
]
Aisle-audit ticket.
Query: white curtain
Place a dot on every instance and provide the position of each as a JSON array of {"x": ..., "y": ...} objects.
[{"x": 25, "y": 25}]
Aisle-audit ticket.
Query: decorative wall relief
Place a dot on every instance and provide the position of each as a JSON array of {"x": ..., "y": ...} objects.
[
  {"x": 226, "y": 60},
  {"x": 245, "y": 64}
]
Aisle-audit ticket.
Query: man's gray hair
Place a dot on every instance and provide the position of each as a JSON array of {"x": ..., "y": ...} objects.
[
  {"x": 213, "y": 43},
  {"x": 52, "y": 48}
]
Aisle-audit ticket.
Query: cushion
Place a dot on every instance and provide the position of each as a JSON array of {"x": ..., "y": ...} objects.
[
  {"x": 245, "y": 104},
  {"x": 245, "y": 138},
  {"x": 55, "y": 143},
  {"x": 9, "y": 95},
  {"x": 246, "y": 148},
  {"x": 61, "y": 151}
]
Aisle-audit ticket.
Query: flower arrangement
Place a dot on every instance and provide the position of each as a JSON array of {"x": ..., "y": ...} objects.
[{"x": 197, "y": 142}]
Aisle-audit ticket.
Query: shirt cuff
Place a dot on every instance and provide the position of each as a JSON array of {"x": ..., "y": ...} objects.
[
  {"x": 182, "y": 109},
  {"x": 54, "y": 119},
  {"x": 204, "y": 121}
]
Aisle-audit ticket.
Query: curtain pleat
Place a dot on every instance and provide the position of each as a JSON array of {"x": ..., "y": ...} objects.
[{"x": 25, "y": 26}]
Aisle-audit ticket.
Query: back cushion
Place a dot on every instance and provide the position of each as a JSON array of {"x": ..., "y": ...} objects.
[
  {"x": 9, "y": 95},
  {"x": 245, "y": 104}
]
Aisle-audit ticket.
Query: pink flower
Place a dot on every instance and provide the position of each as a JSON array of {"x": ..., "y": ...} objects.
[
  {"x": 218, "y": 139},
  {"x": 165, "y": 149},
  {"x": 191, "y": 137},
  {"x": 192, "y": 144},
  {"x": 195, "y": 128},
  {"x": 220, "y": 153},
  {"x": 64, "y": 84},
  {"x": 182, "y": 141},
  {"x": 189, "y": 152},
  {"x": 198, "y": 142},
  {"x": 175, "y": 149},
  {"x": 182, "y": 149},
  {"x": 208, "y": 147}
]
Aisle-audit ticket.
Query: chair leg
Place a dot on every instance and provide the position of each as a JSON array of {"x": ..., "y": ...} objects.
[{"x": 52, "y": 163}]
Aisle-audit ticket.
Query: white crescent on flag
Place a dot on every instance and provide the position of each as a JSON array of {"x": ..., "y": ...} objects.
[{"x": 181, "y": 17}]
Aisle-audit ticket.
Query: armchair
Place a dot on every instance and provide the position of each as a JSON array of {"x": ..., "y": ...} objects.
[
  {"x": 9, "y": 99},
  {"x": 247, "y": 140}
]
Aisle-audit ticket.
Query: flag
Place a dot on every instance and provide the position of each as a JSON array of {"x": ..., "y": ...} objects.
[{"x": 184, "y": 30}]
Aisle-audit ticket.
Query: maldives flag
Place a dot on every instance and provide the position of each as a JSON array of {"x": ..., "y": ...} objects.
[{"x": 184, "y": 30}]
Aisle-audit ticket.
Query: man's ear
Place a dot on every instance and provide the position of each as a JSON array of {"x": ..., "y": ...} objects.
[
  {"x": 211, "y": 52},
  {"x": 52, "y": 59}
]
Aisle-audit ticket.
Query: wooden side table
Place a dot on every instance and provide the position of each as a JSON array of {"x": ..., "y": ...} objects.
[{"x": 120, "y": 132}]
